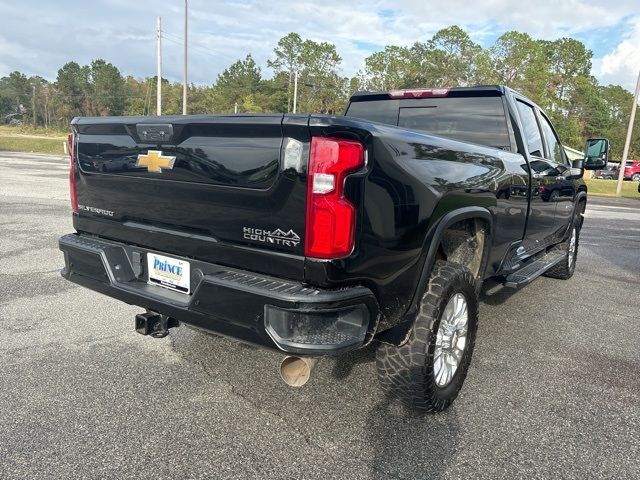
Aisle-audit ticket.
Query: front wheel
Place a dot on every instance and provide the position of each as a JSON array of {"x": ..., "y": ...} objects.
[
  {"x": 427, "y": 371},
  {"x": 566, "y": 267},
  {"x": 636, "y": 177}
]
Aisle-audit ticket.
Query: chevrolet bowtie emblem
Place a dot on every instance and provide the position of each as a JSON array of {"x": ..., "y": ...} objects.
[{"x": 155, "y": 161}]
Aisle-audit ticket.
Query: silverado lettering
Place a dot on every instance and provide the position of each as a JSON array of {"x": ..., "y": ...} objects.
[{"x": 100, "y": 211}]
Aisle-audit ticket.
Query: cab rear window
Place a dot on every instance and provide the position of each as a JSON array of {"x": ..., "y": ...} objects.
[{"x": 478, "y": 120}]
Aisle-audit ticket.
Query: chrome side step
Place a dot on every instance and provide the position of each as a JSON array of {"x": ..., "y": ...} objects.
[{"x": 533, "y": 269}]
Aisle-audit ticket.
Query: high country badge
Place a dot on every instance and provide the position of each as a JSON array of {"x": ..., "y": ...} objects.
[{"x": 275, "y": 237}]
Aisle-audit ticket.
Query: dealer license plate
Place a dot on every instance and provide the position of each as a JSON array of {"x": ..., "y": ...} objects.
[{"x": 169, "y": 272}]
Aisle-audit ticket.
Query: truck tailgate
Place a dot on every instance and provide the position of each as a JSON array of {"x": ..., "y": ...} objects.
[{"x": 212, "y": 187}]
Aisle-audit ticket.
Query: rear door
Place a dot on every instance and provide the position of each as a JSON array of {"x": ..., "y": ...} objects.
[
  {"x": 541, "y": 223},
  {"x": 212, "y": 188},
  {"x": 563, "y": 189}
]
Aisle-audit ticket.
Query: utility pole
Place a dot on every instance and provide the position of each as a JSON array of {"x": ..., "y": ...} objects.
[
  {"x": 46, "y": 108},
  {"x": 33, "y": 103},
  {"x": 184, "y": 83},
  {"x": 295, "y": 92},
  {"x": 627, "y": 143},
  {"x": 159, "y": 60},
  {"x": 289, "y": 91}
]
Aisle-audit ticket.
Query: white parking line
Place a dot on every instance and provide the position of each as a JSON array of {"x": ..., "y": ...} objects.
[{"x": 611, "y": 207}]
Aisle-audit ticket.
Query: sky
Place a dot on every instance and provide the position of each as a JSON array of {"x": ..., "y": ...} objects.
[{"x": 37, "y": 38}]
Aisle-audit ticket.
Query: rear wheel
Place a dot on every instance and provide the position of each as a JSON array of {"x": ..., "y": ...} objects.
[
  {"x": 428, "y": 370},
  {"x": 636, "y": 177}
]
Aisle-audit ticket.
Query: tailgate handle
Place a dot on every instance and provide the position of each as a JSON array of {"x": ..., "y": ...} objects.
[{"x": 155, "y": 132}]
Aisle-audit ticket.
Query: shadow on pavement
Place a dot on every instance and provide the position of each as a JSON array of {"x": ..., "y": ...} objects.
[
  {"x": 409, "y": 445},
  {"x": 341, "y": 407},
  {"x": 493, "y": 293},
  {"x": 344, "y": 364}
]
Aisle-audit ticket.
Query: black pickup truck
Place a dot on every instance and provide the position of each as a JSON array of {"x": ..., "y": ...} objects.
[{"x": 314, "y": 235}]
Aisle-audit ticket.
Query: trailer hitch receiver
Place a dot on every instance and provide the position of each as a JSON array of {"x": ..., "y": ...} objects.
[{"x": 154, "y": 324}]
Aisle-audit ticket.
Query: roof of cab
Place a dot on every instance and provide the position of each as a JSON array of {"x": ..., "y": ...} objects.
[{"x": 479, "y": 90}]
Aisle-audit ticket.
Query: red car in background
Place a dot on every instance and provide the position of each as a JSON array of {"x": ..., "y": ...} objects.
[{"x": 632, "y": 170}]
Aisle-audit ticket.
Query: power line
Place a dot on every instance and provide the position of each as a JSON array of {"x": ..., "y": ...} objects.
[
  {"x": 186, "y": 37},
  {"x": 159, "y": 67},
  {"x": 92, "y": 95},
  {"x": 191, "y": 47},
  {"x": 147, "y": 98},
  {"x": 201, "y": 48}
]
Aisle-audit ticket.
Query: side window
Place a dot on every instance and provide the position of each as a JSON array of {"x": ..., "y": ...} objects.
[
  {"x": 532, "y": 136},
  {"x": 553, "y": 144}
]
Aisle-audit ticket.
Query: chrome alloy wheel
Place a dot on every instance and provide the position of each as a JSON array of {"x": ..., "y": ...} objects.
[
  {"x": 572, "y": 247},
  {"x": 451, "y": 339}
]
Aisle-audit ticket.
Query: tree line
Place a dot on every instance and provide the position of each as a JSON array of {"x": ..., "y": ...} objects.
[{"x": 555, "y": 74}]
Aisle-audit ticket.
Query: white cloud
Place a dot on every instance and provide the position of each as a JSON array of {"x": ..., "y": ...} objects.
[
  {"x": 621, "y": 66},
  {"x": 542, "y": 18},
  {"x": 44, "y": 35}
]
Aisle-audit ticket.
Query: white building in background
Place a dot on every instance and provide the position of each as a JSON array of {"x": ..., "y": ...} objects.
[{"x": 573, "y": 154}]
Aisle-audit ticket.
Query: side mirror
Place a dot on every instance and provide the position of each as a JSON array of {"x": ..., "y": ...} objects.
[{"x": 596, "y": 156}]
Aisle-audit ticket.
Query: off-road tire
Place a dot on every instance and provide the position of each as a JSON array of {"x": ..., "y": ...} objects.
[
  {"x": 406, "y": 371},
  {"x": 566, "y": 267}
]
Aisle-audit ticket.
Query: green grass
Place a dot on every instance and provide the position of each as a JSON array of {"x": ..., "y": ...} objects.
[
  {"x": 29, "y": 139},
  {"x": 28, "y": 144},
  {"x": 608, "y": 188},
  {"x": 21, "y": 130}
]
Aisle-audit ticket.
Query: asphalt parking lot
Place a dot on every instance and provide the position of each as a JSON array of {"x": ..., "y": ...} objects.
[{"x": 553, "y": 390}]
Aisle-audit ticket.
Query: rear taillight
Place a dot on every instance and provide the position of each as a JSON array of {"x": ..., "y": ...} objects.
[
  {"x": 73, "y": 195},
  {"x": 331, "y": 218},
  {"x": 419, "y": 93}
]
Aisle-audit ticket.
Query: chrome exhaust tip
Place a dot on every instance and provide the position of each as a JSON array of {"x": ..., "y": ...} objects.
[{"x": 296, "y": 371}]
